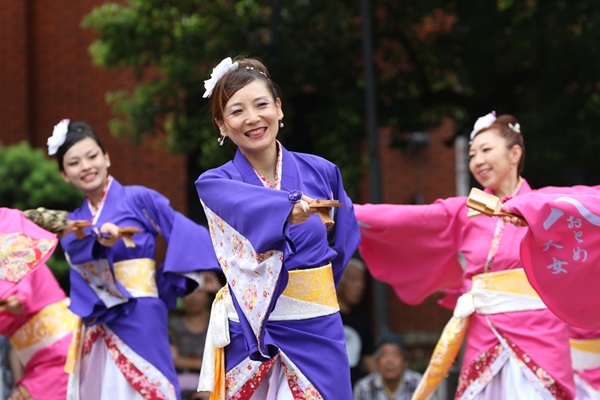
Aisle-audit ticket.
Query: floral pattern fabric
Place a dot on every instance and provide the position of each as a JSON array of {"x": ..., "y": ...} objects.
[{"x": 20, "y": 253}]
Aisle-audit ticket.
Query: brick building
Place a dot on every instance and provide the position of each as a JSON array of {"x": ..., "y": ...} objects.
[{"x": 46, "y": 74}]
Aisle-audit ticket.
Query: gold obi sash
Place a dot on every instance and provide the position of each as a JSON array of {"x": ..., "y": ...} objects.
[
  {"x": 585, "y": 353},
  {"x": 491, "y": 293},
  {"x": 48, "y": 326},
  {"x": 137, "y": 276},
  {"x": 310, "y": 293}
]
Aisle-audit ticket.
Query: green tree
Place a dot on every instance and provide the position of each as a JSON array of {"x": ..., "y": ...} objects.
[
  {"x": 30, "y": 180},
  {"x": 173, "y": 45},
  {"x": 535, "y": 60},
  {"x": 434, "y": 58}
]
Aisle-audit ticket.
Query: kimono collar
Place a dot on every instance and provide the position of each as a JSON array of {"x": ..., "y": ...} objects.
[
  {"x": 112, "y": 186},
  {"x": 289, "y": 176}
]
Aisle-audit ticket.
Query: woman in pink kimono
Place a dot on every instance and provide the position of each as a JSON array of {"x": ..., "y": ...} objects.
[
  {"x": 516, "y": 348},
  {"x": 33, "y": 308}
]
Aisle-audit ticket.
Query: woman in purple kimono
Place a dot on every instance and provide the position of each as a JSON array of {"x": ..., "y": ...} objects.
[
  {"x": 121, "y": 350},
  {"x": 275, "y": 329}
]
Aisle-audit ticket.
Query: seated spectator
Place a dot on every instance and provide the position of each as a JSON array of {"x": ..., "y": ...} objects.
[
  {"x": 359, "y": 339},
  {"x": 392, "y": 380},
  {"x": 188, "y": 334}
]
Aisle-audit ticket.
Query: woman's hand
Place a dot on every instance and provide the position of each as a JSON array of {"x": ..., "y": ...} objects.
[
  {"x": 516, "y": 221},
  {"x": 12, "y": 305},
  {"x": 109, "y": 234},
  {"x": 301, "y": 211}
]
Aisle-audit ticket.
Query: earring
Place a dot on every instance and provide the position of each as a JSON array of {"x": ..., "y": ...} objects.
[
  {"x": 281, "y": 124},
  {"x": 221, "y": 139}
]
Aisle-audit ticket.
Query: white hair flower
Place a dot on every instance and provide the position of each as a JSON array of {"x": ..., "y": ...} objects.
[
  {"x": 516, "y": 128},
  {"x": 217, "y": 73},
  {"x": 59, "y": 134},
  {"x": 482, "y": 123}
]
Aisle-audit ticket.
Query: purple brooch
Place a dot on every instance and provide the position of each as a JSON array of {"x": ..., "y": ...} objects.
[{"x": 295, "y": 196}]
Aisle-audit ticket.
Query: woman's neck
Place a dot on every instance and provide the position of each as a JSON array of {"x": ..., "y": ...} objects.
[
  {"x": 508, "y": 187},
  {"x": 265, "y": 162},
  {"x": 95, "y": 197}
]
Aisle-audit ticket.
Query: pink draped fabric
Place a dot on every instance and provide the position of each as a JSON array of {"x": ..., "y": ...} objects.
[
  {"x": 561, "y": 252},
  {"x": 415, "y": 249},
  {"x": 43, "y": 376},
  {"x": 418, "y": 239}
]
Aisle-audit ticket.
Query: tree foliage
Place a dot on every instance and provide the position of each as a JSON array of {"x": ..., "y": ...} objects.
[
  {"x": 536, "y": 60},
  {"x": 30, "y": 180}
]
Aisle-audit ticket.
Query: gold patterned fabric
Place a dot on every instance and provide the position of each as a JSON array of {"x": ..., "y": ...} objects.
[
  {"x": 54, "y": 221},
  {"x": 50, "y": 324},
  {"x": 314, "y": 285},
  {"x": 137, "y": 276},
  {"x": 509, "y": 281}
]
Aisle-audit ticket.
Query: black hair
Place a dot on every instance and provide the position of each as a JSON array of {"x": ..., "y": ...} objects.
[{"x": 78, "y": 131}]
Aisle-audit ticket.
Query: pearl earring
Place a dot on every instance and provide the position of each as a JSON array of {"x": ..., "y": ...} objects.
[
  {"x": 281, "y": 124},
  {"x": 221, "y": 139}
]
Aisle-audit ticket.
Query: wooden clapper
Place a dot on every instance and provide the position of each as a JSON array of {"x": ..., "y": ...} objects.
[
  {"x": 323, "y": 208},
  {"x": 480, "y": 202}
]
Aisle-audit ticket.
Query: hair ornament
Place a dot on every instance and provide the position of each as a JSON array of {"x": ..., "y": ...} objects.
[
  {"x": 257, "y": 70},
  {"x": 224, "y": 66},
  {"x": 516, "y": 128},
  {"x": 483, "y": 122},
  {"x": 59, "y": 134}
]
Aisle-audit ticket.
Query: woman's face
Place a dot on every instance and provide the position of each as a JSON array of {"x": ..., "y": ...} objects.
[
  {"x": 85, "y": 166},
  {"x": 251, "y": 118},
  {"x": 490, "y": 162}
]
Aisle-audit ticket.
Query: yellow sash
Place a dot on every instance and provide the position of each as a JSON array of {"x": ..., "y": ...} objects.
[
  {"x": 138, "y": 276},
  {"x": 585, "y": 353},
  {"x": 49, "y": 325},
  {"x": 513, "y": 282}
]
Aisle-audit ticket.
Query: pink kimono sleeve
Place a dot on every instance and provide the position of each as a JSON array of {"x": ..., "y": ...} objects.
[
  {"x": 560, "y": 252},
  {"x": 413, "y": 248}
]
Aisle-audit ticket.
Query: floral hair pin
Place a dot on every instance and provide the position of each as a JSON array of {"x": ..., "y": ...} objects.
[
  {"x": 217, "y": 73},
  {"x": 483, "y": 122},
  {"x": 59, "y": 134},
  {"x": 516, "y": 128}
]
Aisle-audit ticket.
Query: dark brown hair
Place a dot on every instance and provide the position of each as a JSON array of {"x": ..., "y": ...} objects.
[
  {"x": 513, "y": 136},
  {"x": 248, "y": 70}
]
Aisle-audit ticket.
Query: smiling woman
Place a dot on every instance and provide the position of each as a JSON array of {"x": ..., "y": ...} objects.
[
  {"x": 121, "y": 348},
  {"x": 516, "y": 348},
  {"x": 269, "y": 337}
]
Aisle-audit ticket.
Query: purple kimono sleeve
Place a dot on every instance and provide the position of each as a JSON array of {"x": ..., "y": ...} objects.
[
  {"x": 413, "y": 247},
  {"x": 265, "y": 210},
  {"x": 189, "y": 248},
  {"x": 84, "y": 249}
]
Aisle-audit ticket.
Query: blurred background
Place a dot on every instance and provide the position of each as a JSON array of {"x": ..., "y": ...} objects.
[{"x": 388, "y": 90}]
